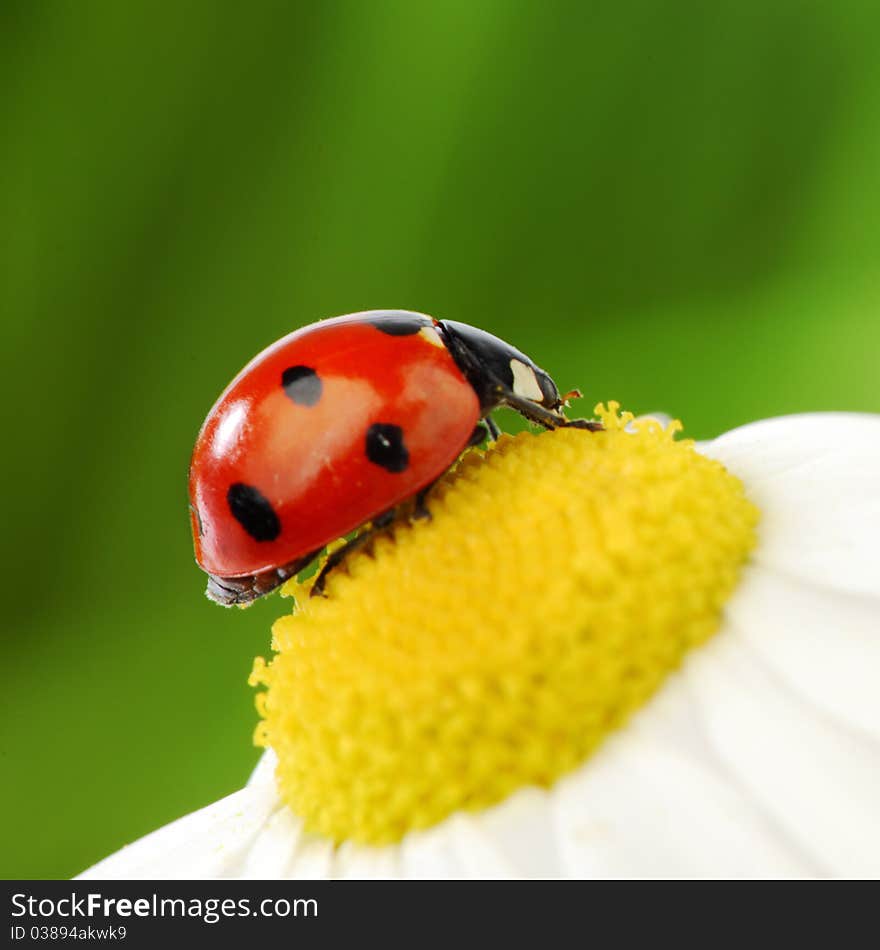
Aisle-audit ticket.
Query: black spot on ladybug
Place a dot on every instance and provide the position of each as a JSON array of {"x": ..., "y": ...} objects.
[
  {"x": 253, "y": 511},
  {"x": 404, "y": 324},
  {"x": 302, "y": 385},
  {"x": 385, "y": 447}
]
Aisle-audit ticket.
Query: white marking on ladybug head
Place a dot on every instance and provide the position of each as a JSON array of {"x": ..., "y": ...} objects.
[
  {"x": 525, "y": 383},
  {"x": 432, "y": 336}
]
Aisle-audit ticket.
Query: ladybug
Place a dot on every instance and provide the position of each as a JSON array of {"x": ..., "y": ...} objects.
[{"x": 336, "y": 424}]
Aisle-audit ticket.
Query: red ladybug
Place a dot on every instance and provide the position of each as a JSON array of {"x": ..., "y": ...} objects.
[{"x": 336, "y": 424}]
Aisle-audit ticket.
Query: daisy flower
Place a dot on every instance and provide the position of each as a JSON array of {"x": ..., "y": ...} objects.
[{"x": 611, "y": 654}]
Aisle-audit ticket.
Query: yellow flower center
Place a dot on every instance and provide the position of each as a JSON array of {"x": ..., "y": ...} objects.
[{"x": 562, "y": 577}]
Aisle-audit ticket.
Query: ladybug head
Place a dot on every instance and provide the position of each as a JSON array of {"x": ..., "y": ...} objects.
[{"x": 496, "y": 369}]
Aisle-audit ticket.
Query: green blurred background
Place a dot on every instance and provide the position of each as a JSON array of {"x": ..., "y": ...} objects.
[{"x": 674, "y": 204}]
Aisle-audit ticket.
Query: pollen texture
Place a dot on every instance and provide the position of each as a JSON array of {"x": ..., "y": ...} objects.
[{"x": 561, "y": 578}]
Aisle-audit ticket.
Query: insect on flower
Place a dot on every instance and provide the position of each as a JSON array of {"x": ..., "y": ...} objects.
[{"x": 334, "y": 426}]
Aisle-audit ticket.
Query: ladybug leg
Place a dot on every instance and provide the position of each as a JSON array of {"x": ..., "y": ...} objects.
[
  {"x": 487, "y": 429},
  {"x": 584, "y": 424},
  {"x": 421, "y": 512},
  {"x": 241, "y": 591},
  {"x": 544, "y": 417},
  {"x": 480, "y": 434},
  {"x": 338, "y": 556}
]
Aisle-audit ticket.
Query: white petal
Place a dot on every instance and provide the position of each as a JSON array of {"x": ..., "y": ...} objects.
[
  {"x": 264, "y": 771},
  {"x": 274, "y": 851},
  {"x": 430, "y": 855},
  {"x": 514, "y": 839},
  {"x": 358, "y": 862},
  {"x": 816, "y": 479},
  {"x": 313, "y": 859},
  {"x": 475, "y": 852},
  {"x": 522, "y": 832},
  {"x": 459, "y": 848},
  {"x": 816, "y": 780},
  {"x": 209, "y": 843},
  {"x": 646, "y": 806},
  {"x": 824, "y": 644}
]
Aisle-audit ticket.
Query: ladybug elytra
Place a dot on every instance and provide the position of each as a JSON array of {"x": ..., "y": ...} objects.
[{"x": 335, "y": 425}]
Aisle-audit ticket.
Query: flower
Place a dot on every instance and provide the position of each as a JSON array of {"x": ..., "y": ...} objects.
[{"x": 546, "y": 732}]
